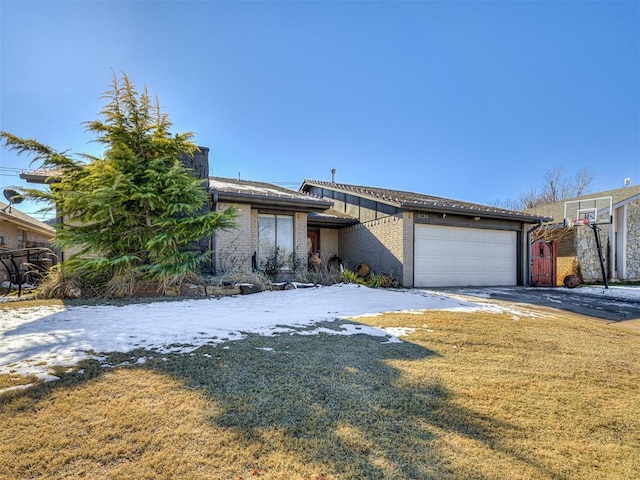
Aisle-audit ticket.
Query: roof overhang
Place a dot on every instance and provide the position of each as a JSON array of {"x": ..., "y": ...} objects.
[
  {"x": 470, "y": 212},
  {"x": 7, "y": 217},
  {"x": 42, "y": 178},
  {"x": 326, "y": 220},
  {"x": 274, "y": 202}
]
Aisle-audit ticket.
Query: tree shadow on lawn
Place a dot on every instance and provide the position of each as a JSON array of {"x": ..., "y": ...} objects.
[
  {"x": 336, "y": 402},
  {"x": 329, "y": 401}
]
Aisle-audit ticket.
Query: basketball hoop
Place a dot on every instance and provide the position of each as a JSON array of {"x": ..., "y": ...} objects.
[
  {"x": 591, "y": 212},
  {"x": 579, "y": 221}
]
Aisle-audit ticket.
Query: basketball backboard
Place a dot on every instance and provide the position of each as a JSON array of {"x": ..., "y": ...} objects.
[{"x": 591, "y": 211}]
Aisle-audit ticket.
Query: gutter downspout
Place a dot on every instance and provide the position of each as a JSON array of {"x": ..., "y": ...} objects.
[{"x": 529, "y": 233}]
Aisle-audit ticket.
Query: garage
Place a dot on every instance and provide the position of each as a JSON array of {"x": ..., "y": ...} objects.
[{"x": 461, "y": 256}]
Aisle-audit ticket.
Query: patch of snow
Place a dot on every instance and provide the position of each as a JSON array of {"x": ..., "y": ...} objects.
[
  {"x": 613, "y": 292},
  {"x": 35, "y": 339},
  {"x": 399, "y": 331}
]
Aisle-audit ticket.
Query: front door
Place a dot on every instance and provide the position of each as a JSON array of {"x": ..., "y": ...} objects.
[{"x": 312, "y": 242}]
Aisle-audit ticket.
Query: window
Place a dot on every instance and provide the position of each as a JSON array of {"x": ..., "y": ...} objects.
[
  {"x": 275, "y": 231},
  {"x": 22, "y": 238}
]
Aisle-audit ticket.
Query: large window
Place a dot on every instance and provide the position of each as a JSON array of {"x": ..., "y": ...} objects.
[{"x": 275, "y": 232}]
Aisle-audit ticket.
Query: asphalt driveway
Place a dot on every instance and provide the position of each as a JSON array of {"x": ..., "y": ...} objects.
[{"x": 611, "y": 308}]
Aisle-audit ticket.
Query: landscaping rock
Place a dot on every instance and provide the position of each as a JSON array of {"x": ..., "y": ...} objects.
[
  {"x": 172, "y": 291},
  {"x": 247, "y": 289},
  {"x": 193, "y": 290},
  {"x": 222, "y": 291},
  {"x": 571, "y": 281}
]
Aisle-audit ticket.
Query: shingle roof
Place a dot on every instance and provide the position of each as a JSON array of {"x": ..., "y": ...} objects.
[
  {"x": 418, "y": 201},
  {"x": 263, "y": 192},
  {"x": 556, "y": 209},
  {"x": 14, "y": 215}
]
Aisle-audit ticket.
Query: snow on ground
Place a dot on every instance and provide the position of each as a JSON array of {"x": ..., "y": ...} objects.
[
  {"x": 613, "y": 292},
  {"x": 34, "y": 339}
]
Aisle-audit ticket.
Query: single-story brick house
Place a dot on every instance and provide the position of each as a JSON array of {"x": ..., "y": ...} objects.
[
  {"x": 427, "y": 241},
  {"x": 421, "y": 240},
  {"x": 575, "y": 247}
]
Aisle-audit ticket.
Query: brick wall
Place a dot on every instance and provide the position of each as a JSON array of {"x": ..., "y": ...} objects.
[
  {"x": 300, "y": 236},
  {"x": 378, "y": 243},
  {"x": 9, "y": 232},
  {"x": 407, "y": 246},
  {"x": 329, "y": 243},
  {"x": 233, "y": 248}
]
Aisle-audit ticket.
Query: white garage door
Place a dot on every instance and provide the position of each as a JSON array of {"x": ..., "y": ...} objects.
[{"x": 455, "y": 256}]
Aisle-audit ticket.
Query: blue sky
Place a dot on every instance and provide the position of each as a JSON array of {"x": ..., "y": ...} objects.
[{"x": 466, "y": 100}]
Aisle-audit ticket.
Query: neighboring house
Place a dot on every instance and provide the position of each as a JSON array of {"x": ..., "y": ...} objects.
[
  {"x": 575, "y": 247},
  {"x": 426, "y": 241},
  {"x": 18, "y": 231}
]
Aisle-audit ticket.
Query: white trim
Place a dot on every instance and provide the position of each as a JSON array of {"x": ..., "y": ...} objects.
[
  {"x": 613, "y": 244},
  {"x": 624, "y": 241}
]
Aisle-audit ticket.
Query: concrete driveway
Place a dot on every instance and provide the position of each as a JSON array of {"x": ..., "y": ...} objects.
[{"x": 611, "y": 308}]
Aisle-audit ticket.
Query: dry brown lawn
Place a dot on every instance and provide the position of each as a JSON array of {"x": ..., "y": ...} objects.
[{"x": 467, "y": 395}]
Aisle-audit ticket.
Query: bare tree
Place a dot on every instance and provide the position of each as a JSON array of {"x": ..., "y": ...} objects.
[
  {"x": 555, "y": 188},
  {"x": 529, "y": 198},
  {"x": 583, "y": 180}
]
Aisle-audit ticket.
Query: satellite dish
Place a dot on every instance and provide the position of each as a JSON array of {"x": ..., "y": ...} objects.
[{"x": 13, "y": 196}]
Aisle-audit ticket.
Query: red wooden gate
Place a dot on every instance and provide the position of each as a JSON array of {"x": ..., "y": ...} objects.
[{"x": 543, "y": 264}]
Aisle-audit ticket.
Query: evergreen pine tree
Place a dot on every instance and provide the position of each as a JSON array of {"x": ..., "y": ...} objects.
[{"x": 135, "y": 212}]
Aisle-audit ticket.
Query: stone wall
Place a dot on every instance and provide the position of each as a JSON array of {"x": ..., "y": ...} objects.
[
  {"x": 633, "y": 241},
  {"x": 199, "y": 162},
  {"x": 587, "y": 252}
]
